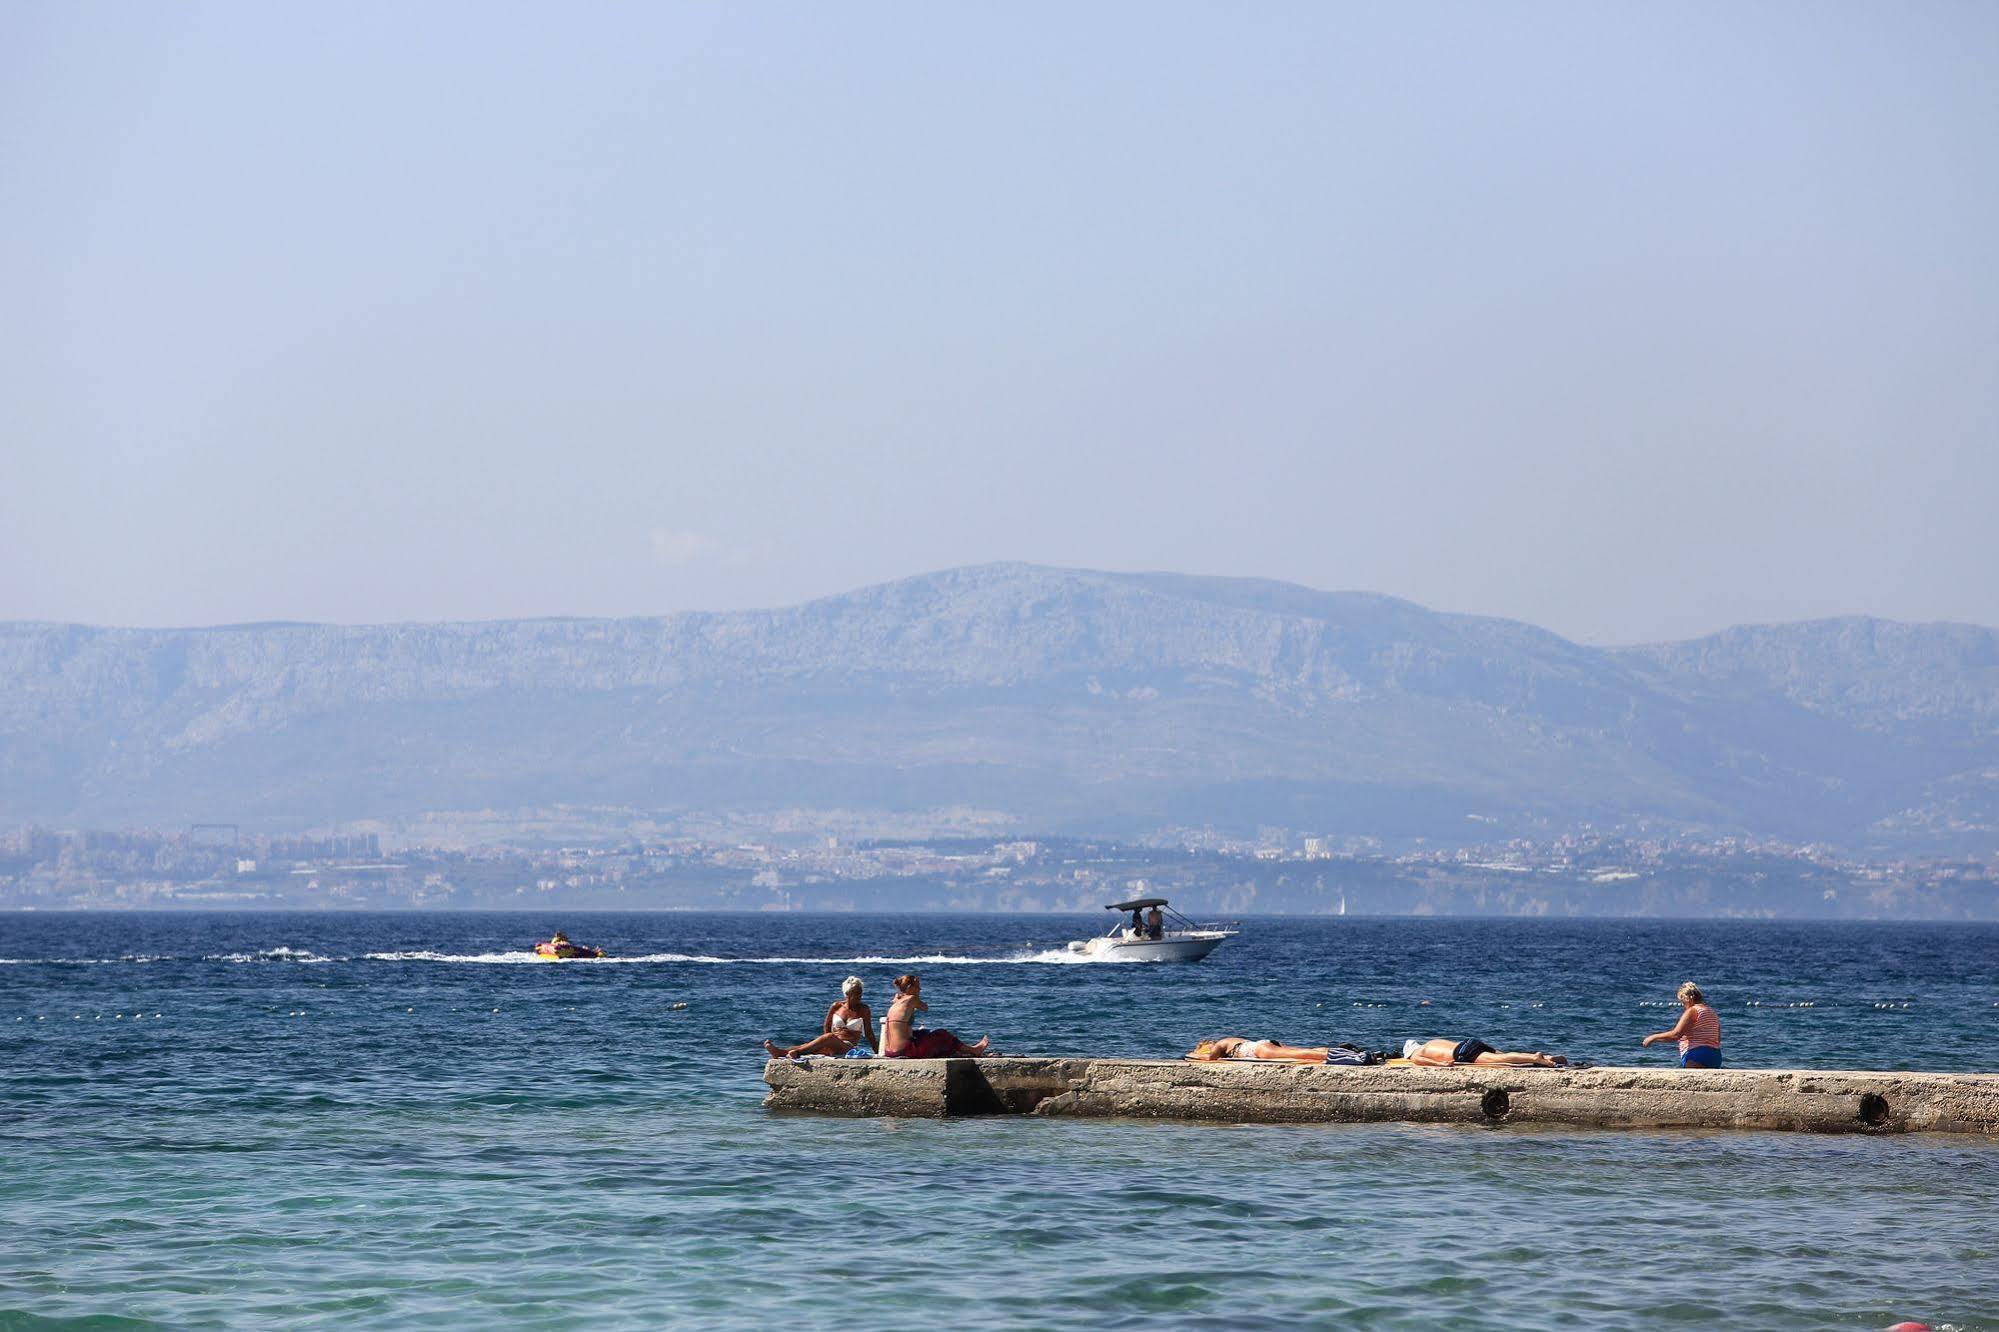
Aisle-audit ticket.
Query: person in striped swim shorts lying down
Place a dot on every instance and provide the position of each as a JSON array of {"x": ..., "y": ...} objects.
[{"x": 1442, "y": 1052}]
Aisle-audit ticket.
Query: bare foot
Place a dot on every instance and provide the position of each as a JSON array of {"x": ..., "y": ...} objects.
[
  {"x": 980, "y": 1048},
  {"x": 770, "y": 1048}
]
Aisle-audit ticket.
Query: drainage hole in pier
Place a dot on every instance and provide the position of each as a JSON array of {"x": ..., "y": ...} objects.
[
  {"x": 1874, "y": 1109},
  {"x": 1496, "y": 1103}
]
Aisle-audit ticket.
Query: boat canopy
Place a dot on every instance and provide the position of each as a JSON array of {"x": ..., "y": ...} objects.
[{"x": 1137, "y": 904}]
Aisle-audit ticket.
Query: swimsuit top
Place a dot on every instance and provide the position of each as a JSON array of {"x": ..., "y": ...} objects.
[
  {"x": 1705, "y": 1029},
  {"x": 852, "y": 1024}
]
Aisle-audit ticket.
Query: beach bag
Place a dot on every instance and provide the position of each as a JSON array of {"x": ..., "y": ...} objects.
[{"x": 1352, "y": 1055}]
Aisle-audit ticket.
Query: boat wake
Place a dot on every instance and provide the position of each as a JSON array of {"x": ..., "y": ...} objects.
[
  {"x": 519, "y": 957},
  {"x": 280, "y": 954},
  {"x": 1046, "y": 956},
  {"x": 294, "y": 955}
]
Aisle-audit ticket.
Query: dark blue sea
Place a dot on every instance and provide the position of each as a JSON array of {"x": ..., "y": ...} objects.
[{"x": 397, "y": 1121}]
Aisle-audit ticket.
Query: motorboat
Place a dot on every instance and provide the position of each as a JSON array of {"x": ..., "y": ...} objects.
[
  {"x": 1179, "y": 939},
  {"x": 561, "y": 950}
]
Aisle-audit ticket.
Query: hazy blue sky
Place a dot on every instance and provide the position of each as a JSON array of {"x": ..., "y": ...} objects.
[{"x": 1632, "y": 321}]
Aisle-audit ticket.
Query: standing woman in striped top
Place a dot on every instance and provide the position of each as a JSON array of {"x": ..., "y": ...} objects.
[{"x": 1698, "y": 1031}]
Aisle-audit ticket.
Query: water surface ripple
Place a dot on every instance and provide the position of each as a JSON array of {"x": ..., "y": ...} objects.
[{"x": 304, "y": 1120}]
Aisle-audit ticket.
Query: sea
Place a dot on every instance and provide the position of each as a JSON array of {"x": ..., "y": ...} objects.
[{"x": 400, "y": 1121}]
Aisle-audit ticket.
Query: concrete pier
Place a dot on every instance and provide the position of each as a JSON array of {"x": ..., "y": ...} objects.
[{"x": 1798, "y": 1100}]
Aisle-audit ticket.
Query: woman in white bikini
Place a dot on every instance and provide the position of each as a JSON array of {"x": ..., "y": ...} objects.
[
  {"x": 848, "y": 1023},
  {"x": 1250, "y": 1050}
]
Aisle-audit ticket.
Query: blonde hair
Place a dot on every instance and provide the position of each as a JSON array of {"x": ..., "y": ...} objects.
[
  {"x": 853, "y": 985},
  {"x": 1689, "y": 990}
]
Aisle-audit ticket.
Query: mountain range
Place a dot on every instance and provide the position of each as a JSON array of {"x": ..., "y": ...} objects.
[{"x": 1050, "y": 700}]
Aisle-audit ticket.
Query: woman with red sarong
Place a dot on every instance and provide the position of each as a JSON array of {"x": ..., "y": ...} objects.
[{"x": 902, "y": 1039}]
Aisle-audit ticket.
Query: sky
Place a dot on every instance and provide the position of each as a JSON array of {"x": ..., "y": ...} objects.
[{"x": 1631, "y": 321}]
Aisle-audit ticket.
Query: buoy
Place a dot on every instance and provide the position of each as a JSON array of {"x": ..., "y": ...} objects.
[
  {"x": 1908, "y": 1327},
  {"x": 681, "y": 1004}
]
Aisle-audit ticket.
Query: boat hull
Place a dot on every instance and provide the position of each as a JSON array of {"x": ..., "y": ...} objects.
[{"x": 1181, "y": 948}]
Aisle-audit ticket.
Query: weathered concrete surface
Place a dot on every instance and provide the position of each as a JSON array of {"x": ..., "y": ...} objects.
[{"x": 1789, "y": 1099}]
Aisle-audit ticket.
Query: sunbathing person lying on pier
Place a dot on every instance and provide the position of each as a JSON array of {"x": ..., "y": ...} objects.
[
  {"x": 1247, "y": 1050},
  {"x": 1443, "y": 1052},
  {"x": 902, "y": 1039}
]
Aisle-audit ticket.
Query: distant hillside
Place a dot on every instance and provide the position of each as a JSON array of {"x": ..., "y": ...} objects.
[{"x": 1069, "y": 700}]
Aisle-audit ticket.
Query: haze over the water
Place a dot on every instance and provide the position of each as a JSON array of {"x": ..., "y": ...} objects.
[{"x": 1632, "y": 322}]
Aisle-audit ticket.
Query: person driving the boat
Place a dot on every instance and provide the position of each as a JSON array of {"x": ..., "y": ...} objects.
[
  {"x": 902, "y": 1039},
  {"x": 848, "y": 1022},
  {"x": 1155, "y": 923},
  {"x": 559, "y": 947}
]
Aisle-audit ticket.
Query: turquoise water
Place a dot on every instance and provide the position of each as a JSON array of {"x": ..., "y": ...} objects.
[{"x": 386, "y": 1121}]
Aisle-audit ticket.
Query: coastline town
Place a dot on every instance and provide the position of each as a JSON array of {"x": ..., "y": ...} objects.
[{"x": 221, "y": 866}]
